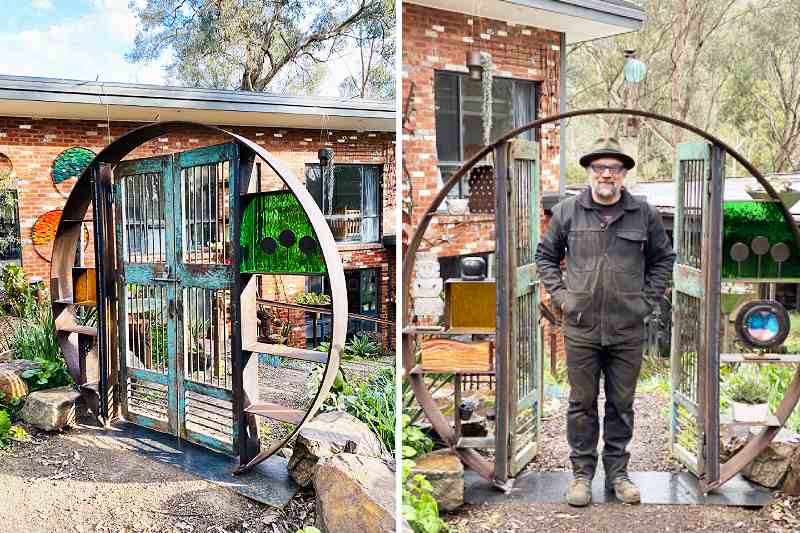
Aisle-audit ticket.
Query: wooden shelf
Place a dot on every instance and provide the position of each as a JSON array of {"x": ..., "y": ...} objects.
[
  {"x": 276, "y": 412},
  {"x": 475, "y": 442},
  {"x": 767, "y": 358},
  {"x": 417, "y": 370},
  {"x": 63, "y": 301},
  {"x": 287, "y": 351},
  {"x": 451, "y": 332},
  {"x": 75, "y": 328},
  {"x": 771, "y": 422}
]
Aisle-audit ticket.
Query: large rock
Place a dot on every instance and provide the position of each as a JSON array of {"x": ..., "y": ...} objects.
[
  {"x": 443, "y": 469},
  {"x": 770, "y": 466},
  {"x": 329, "y": 434},
  {"x": 354, "y": 493},
  {"x": 51, "y": 409}
]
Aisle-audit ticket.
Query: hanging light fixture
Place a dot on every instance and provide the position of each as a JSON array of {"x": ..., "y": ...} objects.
[
  {"x": 474, "y": 65},
  {"x": 634, "y": 70}
]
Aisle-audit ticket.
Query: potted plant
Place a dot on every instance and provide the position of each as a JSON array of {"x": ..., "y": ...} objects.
[{"x": 749, "y": 397}]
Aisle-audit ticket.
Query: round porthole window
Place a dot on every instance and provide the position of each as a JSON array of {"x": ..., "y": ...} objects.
[{"x": 762, "y": 323}]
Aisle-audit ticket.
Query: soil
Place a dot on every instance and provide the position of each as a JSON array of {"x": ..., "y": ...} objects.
[
  {"x": 649, "y": 452},
  {"x": 68, "y": 482}
]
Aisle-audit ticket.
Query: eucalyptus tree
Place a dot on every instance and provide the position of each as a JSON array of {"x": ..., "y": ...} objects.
[{"x": 250, "y": 45}]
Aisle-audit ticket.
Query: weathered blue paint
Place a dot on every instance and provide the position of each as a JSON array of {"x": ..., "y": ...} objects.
[
  {"x": 210, "y": 442},
  {"x": 208, "y": 390},
  {"x": 207, "y": 155},
  {"x": 148, "y": 375},
  {"x": 206, "y": 276},
  {"x": 139, "y": 273},
  {"x": 158, "y": 425},
  {"x": 140, "y": 166}
]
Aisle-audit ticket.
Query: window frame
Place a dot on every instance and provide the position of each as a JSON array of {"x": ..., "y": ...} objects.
[
  {"x": 378, "y": 216},
  {"x": 460, "y": 190}
]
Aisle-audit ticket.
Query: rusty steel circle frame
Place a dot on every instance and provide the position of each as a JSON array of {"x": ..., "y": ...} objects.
[
  {"x": 80, "y": 198},
  {"x": 470, "y": 457}
]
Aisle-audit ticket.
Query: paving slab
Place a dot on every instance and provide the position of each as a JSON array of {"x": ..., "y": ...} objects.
[
  {"x": 268, "y": 483},
  {"x": 662, "y": 488}
]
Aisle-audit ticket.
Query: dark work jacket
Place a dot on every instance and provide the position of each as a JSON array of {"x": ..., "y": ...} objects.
[{"x": 616, "y": 272}]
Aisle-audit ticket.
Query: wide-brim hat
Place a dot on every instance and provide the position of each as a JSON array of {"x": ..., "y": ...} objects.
[{"x": 607, "y": 147}]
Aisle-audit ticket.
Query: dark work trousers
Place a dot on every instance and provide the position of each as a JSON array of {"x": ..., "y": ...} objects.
[{"x": 620, "y": 366}]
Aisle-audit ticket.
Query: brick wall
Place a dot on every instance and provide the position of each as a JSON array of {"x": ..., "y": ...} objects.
[
  {"x": 436, "y": 40},
  {"x": 31, "y": 146}
]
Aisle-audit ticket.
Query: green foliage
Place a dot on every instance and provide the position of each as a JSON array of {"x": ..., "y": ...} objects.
[
  {"x": 49, "y": 375},
  {"x": 5, "y": 425},
  {"x": 745, "y": 386},
  {"x": 251, "y": 45},
  {"x": 13, "y": 405},
  {"x": 371, "y": 401},
  {"x": 19, "y": 295},
  {"x": 36, "y": 339},
  {"x": 312, "y": 298},
  {"x": 419, "y": 507},
  {"x": 415, "y": 442},
  {"x": 362, "y": 347},
  {"x": 308, "y": 529}
]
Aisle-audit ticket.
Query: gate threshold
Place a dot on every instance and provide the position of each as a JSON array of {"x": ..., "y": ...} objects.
[
  {"x": 659, "y": 488},
  {"x": 268, "y": 483}
]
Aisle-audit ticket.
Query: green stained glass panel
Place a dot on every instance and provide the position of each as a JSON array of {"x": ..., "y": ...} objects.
[
  {"x": 276, "y": 236},
  {"x": 71, "y": 163},
  {"x": 745, "y": 220}
]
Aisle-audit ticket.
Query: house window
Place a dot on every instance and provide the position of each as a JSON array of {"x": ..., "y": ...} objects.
[
  {"x": 458, "y": 118},
  {"x": 363, "y": 298},
  {"x": 350, "y": 201}
]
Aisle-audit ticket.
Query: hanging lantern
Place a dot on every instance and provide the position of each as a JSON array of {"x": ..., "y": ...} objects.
[
  {"x": 634, "y": 70},
  {"x": 474, "y": 64}
]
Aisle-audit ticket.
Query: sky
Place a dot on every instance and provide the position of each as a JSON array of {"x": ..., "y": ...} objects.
[{"x": 83, "y": 40}]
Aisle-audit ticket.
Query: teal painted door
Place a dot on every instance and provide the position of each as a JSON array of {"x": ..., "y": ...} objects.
[
  {"x": 525, "y": 343},
  {"x": 174, "y": 281}
]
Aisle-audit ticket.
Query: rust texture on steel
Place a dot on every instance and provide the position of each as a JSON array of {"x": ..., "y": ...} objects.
[
  {"x": 470, "y": 457},
  {"x": 68, "y": 234}
]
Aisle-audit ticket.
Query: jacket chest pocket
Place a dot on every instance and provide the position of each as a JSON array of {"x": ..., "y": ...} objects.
[
  {"x": 582, "y": 250},
  {"x": 628, "y": 251}
]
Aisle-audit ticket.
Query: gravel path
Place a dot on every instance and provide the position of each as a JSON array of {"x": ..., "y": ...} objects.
[
  {"x": 71, "y": 482},
  {"x": 649, "y": 447},
  {"x": 649, "y": 452}
]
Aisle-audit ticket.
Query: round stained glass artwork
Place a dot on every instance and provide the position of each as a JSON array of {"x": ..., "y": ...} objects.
[
  {"x": 269, "y": 245},
  {"x": 762, "y": 323},
  {"x": 287, "y": 238},
  {"x": 307, "y": 245}
]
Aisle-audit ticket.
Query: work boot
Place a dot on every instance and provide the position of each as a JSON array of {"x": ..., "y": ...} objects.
[
  {"x": 579, "y": 492},
  {"x": 624, "y": 489}
]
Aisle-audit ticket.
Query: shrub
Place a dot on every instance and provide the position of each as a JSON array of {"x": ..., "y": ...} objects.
[
  {"x": 362, "y": 347},
  {"x": 312, "y": 298},
  {"x": 371, "y": 401},
  {"x": 419, "y": 509},
  {"x": 36, "y": 341},
  {"x": 19, "y": 295},
  {"x": 747, "y": 387}
]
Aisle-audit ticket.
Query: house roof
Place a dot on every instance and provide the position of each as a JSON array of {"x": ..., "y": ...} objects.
[
  {"x": 95, "y": 100},
  {"x": 579, "y": 20}
]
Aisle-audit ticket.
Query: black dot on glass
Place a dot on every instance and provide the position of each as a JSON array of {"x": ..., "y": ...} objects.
[
  {"x": 269, "y": 245},
  {"x": 287, "y": 238},
  {"x": 308, "y": 245}
]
